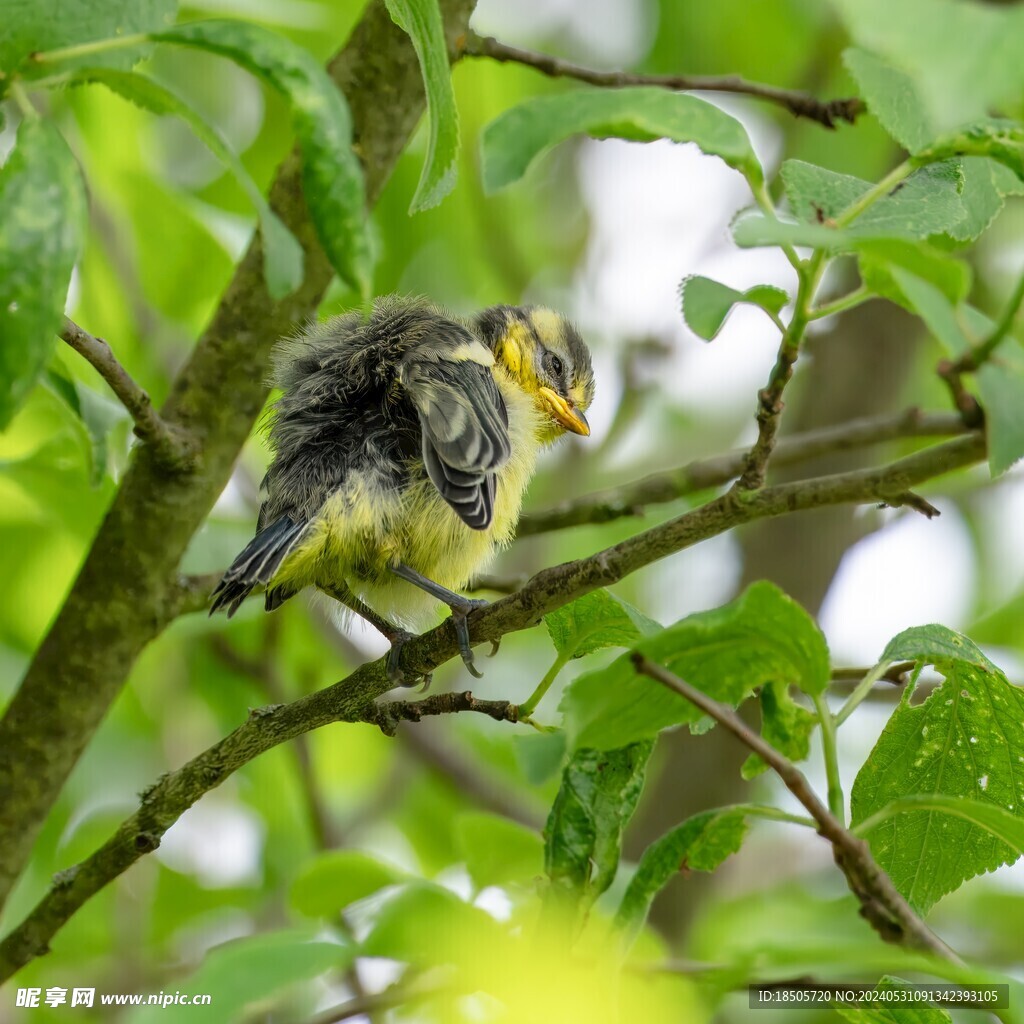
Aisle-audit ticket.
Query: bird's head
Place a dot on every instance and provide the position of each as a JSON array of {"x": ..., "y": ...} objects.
[{"x": 545, "y": 355}]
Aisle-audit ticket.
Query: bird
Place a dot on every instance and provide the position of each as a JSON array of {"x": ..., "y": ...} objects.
[{"x": 403, "y": 442}]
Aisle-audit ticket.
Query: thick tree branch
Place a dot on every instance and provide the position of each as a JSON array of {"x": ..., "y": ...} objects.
[
  {"x": 883, "y": 907},
  {"x": 170, "y": 444},
  {"x": 128, "y": 587},
  {"x": 633, "y": 499},
  {"x": 352, "y": 699},
  {"x": 800, "y": 104}
]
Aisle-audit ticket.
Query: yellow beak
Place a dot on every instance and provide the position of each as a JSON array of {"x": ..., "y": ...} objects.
[{"x": 564, "y": 413}]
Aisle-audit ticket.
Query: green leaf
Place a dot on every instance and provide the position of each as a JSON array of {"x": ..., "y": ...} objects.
[
  {"x": 785, "y": 725},
  {"x": 334, "y": 880},
  {"x": 282, "y": 253},
  {"x": 965, "y": 741},
  {"x": 1005, "y": 826},
  {"x": 925, "y": 299},
  {"x": 700, "y": 843},
  {"x": 251, "y": 970},
  {"x": 517, "y": 137},
  {"x": 426, "y": 924},
  {"x": 964, "y": 58},
  {"x": 728, "y": 652},
  {"x": 497, "y": 851},
  {"x": 583, "y": 835},
  {"x": 892, "y": 97},
  {"x": 928, "y": 202},
  {"x": 707, "y": 303},
  {"x": 421, "y": 20},
  {"x": 596, "y": 621},
  {"x": 982, "y": 196},
  {"x": 878, "y": 259},
  {"x": 884, "y": 1012},
  {"x": 539, "y": 755},
  {"x": 996, "y": 138},
  {"x": 95, "y": 415},
  {"x": 755, "y": 230},
  {"x": 332, "y": 177},
  {"x": 28, "y": 26},
  {"x": 1001, "y": 387},
  {"x": 935, "y": 645},
  {"x": 42, "y": 222}
]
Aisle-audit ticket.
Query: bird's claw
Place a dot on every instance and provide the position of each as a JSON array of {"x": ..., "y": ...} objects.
[
  {"x": 459, "y": 615},
  {"x": 396, "y": 674}
]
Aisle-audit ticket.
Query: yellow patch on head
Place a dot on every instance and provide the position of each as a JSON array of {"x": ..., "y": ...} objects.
[
  {"x": 515, "y": 351},
  {"x": 548, "y": 325}
]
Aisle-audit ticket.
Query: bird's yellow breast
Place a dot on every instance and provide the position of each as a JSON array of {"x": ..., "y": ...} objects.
[{"x": 368, "y": 525}]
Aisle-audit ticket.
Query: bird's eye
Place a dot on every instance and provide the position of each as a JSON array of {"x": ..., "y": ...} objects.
[{"x": 556, "y": 366}]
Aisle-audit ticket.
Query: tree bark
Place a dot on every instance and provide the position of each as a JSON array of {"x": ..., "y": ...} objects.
[{"x": 125, "y": 592}]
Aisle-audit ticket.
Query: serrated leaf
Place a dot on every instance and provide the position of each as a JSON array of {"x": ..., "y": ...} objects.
[
  {"x": 878, "y": 257},
  {"x": 282, "y": 253},
  {"x": 425, "y": 924},
  {"x": 928, "y": 202},
  {"x": 966, "y": 740},
  {"x": 332, "y": 177},
  {"x": 707, "y": 303},
  {"x": 498, "y": 851},
  {"x": 28, "y": 26},
  {"x": 1000, "y": 823},
  {"x": 596, "y": 621},
  {"x": 728, "y": 652},
  {"x": 421, "y": 20},
  {"x": 701, "y": 843},
  {"x": 583, "y": 835},
  {"x": 996, "y": 138},
  {"x": 982, "y": 197},
  {"x": 338, "y": 878},
  {"x": 892, "y": 97},
  {"x": 893, "y": 1012},
  {"x": 42, "y": 222},
  {"x": 785, "y": 725},
  {"x": 512, "y": 141},
  {"x": 934, "y": 645}
]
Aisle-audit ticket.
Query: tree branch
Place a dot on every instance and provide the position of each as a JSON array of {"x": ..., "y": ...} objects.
[
  {"x": 128, "y": 588},
  {"x": 883, "y": 907},
  {"x": 800, "y": 104},
  {"x": 633, "y": 499},
  {"x": 171, "y": 445},
  {"x": 352, "y": 699}
]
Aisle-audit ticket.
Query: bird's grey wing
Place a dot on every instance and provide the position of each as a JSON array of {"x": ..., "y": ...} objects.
[{"x": 463, "y": 420}]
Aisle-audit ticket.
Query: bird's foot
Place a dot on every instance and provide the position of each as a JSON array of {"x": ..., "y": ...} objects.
[
  {"x": 460, "y": 612},
  {"x": 397, "y": 676}
]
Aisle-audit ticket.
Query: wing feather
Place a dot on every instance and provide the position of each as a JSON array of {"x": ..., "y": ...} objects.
[{"x": 463, "y": 420}]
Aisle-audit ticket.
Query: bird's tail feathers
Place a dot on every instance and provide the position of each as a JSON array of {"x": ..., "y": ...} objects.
[{"x": 256, "y": 565}]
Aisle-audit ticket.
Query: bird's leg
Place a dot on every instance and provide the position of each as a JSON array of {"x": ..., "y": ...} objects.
[
  {"x": 460, "y": 607},
  {"x": 395, "y": 635}
]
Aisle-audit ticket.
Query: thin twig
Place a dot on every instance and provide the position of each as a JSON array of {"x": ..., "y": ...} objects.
[
  {"x": 390, "y": 713},
  {"x": 168, "y": 442},
  {"x": 634, "y": 498},
  {"x": 352, "y": 699},
  {"x": 884, "y": 908},
  {"x": 800, "y": 104}
]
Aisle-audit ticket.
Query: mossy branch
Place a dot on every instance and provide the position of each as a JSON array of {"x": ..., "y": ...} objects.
[{"x": 354, "y": 698}]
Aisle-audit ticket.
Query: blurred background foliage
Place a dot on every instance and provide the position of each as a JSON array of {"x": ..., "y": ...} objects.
[{"x": 604, "y": 231}]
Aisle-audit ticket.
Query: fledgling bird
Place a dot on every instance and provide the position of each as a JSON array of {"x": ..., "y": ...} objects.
[{"x": 403, "y": 443}]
